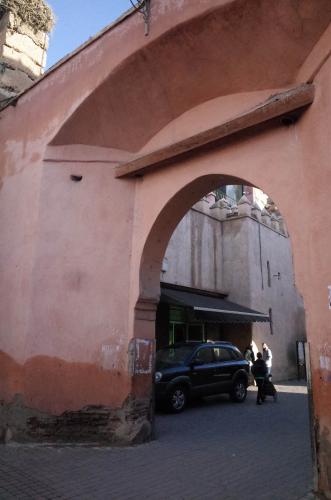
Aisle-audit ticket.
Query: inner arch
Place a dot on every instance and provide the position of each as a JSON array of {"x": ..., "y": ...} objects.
[
  {"x": 194, "y": 62},
  {"x": 165, "y": 224}
]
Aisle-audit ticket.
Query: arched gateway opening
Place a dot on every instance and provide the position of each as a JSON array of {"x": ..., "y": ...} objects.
[
  {"x": 152, "y": 260},
  {"x": 268, "y": 156},
  {"x": 152, "y": 265}
]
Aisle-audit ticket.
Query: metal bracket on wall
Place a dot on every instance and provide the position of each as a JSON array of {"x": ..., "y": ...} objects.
[{"x": 144, "y": 8}]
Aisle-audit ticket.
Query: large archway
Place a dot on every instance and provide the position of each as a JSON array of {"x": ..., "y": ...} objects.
[
  {"x": 152, "y": 265},
  {"x": 158, "y": 239},
  {"x": 239, "y": 162}
]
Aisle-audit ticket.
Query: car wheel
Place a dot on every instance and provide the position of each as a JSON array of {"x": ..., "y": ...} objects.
[
  {"x": 239, "y": 391},
  {"x": 177, "y": 399}
]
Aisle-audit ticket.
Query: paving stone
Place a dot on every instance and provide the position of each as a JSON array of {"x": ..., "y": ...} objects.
[{"x": 214, "y": 450}]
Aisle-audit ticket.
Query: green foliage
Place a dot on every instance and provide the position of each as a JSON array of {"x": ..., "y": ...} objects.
[{"x": 36, "y": 13}]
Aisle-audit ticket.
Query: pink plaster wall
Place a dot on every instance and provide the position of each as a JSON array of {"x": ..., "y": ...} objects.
[
  {"x": 63, "y": 329},
  {"x": 77, "y": 258},
  {"x": 66, "y": 301},
  {"x": 314, "y": 250}
]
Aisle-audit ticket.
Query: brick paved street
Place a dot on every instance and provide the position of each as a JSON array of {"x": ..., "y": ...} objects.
[{"x": 215, "y": 450}]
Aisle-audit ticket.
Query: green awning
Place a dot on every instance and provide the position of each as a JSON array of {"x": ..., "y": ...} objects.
[{"x": 211, "y": 307}]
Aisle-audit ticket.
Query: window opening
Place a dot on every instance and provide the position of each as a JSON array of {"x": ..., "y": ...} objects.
[
  {"x": 271, "y": 325},
  {"x": 269, "y": 274},
  {"x": 232, "y": 193},
  {"x": 195, "y": 331},
  {"x": 179, "y": 332}
]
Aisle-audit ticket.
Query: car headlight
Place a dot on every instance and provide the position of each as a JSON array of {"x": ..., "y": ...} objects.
[{"x": 158, "y": 376}]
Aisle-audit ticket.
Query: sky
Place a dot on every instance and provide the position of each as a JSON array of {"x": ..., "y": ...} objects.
[{"x": 77, "y": 21}]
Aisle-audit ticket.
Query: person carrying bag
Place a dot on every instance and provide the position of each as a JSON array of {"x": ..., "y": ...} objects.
[{"x": 259, "y": 371}]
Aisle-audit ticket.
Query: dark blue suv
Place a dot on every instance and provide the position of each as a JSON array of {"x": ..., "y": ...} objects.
[{"x": 196, "y": 369}]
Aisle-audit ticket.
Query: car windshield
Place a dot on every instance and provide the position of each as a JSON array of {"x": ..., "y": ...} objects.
[{"x": 173, "y": 355}]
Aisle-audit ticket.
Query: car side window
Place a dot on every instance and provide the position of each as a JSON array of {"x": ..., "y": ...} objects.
[
  {"x": 205, "y": 355},
  {"x": 222, "y": 354}
]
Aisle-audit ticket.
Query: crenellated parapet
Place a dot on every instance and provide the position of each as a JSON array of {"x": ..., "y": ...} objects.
[
  {"x": 223, "y": 211},
  {"x": 256, "y": 212}
]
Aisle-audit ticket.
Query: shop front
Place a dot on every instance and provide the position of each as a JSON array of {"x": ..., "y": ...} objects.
[{"x": 187, "y": 314}]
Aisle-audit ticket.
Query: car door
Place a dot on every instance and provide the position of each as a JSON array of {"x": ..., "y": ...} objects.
[
  {"x": 224, "y": 368},
  {"x": 202, "y": 371}
]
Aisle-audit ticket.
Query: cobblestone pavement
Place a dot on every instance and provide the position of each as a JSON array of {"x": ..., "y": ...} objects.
[{"x": 215, "y": 450}]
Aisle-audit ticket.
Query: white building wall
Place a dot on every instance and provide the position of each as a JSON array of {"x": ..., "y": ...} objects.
[
  {"x": 229, "y": 254},
  {"x": 236, "y": 271},
  {"x": 194, "y": 253}
]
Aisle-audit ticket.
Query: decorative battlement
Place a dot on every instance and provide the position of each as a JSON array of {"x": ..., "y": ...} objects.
[{"x": 223, "y": 211}]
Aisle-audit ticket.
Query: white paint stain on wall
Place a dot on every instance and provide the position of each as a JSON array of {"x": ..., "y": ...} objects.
[
  {"x": 141, "y": 355},
  {"x": 144, "y": 356},
  {"x": 325, "y": 363},
  {"x": 110, "y": 358}
]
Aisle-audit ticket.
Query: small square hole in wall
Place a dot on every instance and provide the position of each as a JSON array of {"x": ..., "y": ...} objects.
[{"x": 76, "y": 178}]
